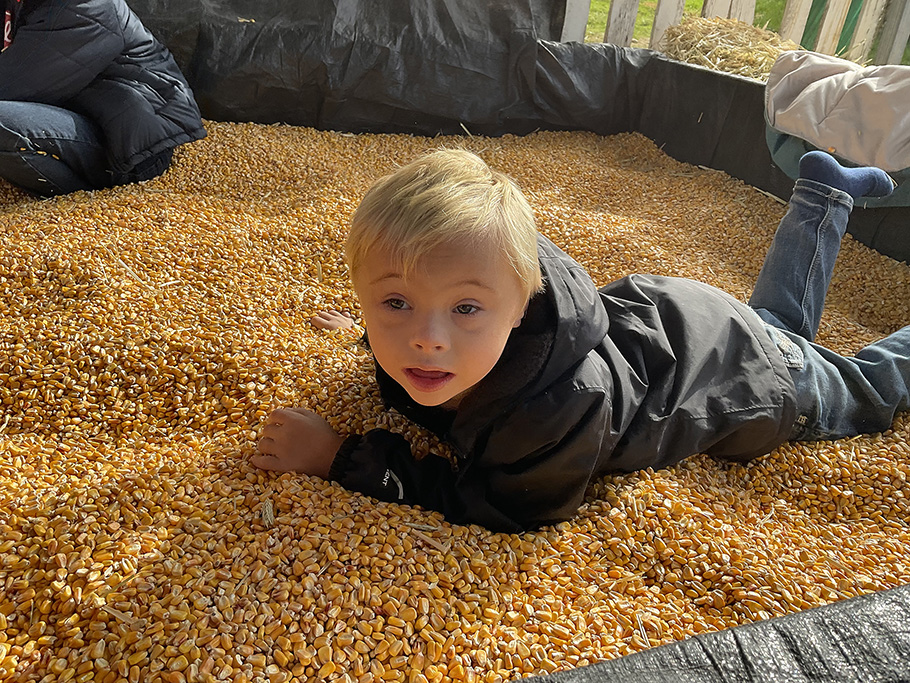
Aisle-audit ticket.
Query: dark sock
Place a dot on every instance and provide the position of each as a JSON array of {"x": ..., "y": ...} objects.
[{"x": 865, "y": 181}]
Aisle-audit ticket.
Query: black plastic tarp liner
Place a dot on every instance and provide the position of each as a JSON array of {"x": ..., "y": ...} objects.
[
  {"x": 437, "y": 66},
  {"x": 860, "y": 640}
]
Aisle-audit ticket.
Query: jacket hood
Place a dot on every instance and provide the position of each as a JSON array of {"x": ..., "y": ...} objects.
[{"x": 579, "y": 320}]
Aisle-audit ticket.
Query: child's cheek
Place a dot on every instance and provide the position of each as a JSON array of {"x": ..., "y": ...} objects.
[{"x": 381, "y": 358}]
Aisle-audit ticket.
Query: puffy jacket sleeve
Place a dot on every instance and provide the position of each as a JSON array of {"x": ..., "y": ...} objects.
[
  {"x": 59, "y": 49},
  {"x": 531, "y": 469}
]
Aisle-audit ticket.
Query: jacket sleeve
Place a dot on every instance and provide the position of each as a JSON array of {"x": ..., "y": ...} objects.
[
  {"x": 59, "y": 50},
  {"x": 533, "y": 468}
]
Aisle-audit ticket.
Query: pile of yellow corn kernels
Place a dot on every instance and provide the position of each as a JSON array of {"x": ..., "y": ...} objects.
[{"x": 147, "y": 331}]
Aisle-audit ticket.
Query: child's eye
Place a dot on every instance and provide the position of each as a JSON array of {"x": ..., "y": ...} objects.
[
  {"x": 395, "y": 304},
  {"x": 466, "y": 309}
]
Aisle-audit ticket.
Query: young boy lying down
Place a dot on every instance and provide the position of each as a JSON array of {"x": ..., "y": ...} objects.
[{"x": 487, "y": 334}]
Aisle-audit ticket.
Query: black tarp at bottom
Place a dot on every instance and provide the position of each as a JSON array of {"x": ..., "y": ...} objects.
[{"x": 860, "y": 640}]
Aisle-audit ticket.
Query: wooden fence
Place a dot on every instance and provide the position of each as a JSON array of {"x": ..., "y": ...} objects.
[{"x": 892, "y": 15}]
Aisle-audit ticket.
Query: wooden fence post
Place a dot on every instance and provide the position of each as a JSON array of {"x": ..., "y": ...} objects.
[
  {"x": 793, "y": 23},
  {"x": 621, "y": 22},
  {"x": 716, "y": 8},
  {"x": 744, "y": 10},
  {"x": 575, "y": 21},
  {"x": 831, "y": 25},
  {"x": 864, "y": 33},
  {"x": 669, "y": 13},
  {"x": 895, "y": 33}
]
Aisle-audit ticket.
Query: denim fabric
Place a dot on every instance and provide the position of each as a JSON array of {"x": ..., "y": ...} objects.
[
  {"x": 48, "y": 150},
  {"x": 838, "y": 396}
]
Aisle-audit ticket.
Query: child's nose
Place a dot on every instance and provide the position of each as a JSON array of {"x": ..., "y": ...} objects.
[{"x": 430, "y": 335}]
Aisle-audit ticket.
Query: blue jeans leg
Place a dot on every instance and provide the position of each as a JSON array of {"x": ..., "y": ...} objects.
[
  {"x": 792, "y": 285},
  {"x": 842, "y": 396},
  {"x": 838, "y": 396},
  {"x": 48, "y": 150}
]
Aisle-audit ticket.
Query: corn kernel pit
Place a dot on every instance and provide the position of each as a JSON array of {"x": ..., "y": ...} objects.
[{"x": 148, "y": 330}]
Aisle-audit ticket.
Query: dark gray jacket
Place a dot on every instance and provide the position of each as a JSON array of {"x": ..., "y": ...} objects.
[
  {"x": 643, "y": 373},
  {"x": 96, "y": 58}
]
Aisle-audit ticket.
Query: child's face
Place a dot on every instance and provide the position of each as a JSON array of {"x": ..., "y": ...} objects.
[{"x": 441, "y": 329}]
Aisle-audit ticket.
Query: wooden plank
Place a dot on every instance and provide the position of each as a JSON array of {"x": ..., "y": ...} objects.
[
  {"x": 895, "y": 33},
  {"x": 744, "y": 10},
  {"x": 864, "y": 33},
  {"x": 716, "y": 8},
  {"x": 669, "y": 13},
  {"x": 621, "y": 22},
  {"x": 831, "y": 25},
  {"x": 793, "y": 23},
  {"x": 576, "y": 21}
]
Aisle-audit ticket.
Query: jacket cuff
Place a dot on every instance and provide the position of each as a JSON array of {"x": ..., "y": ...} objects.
[{"x": 342, "y": 462}]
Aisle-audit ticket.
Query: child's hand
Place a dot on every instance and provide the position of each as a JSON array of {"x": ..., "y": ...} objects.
[
  {"x": 332, "y": 320},
  {"x": 297, "y": 440}
]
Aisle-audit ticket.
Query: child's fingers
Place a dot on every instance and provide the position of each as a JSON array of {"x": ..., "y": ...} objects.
[
  {"x": 266, "y": 462},
  {"x": 270, "y": 431},
  {"x": 332, "y": 320},
  {"x": 325, "y": 319},
  {"x": 265, "y": 445}
]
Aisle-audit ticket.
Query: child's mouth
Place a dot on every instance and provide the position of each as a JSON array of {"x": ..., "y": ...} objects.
[{"x": 428, "y": 380}]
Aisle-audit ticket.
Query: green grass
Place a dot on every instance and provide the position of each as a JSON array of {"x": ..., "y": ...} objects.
[{"x": 768, "y": 15}]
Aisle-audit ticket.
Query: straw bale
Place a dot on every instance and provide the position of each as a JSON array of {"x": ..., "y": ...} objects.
[{"x": 727, "y": 45}]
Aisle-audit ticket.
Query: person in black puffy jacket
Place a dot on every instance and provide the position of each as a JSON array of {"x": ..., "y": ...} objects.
[
  {"x": 487, "y": 334},
  {"x": 88, "y": 97}
]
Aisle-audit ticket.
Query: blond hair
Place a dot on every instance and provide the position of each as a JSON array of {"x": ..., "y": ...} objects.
[{"x": 444, "y": 197}]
